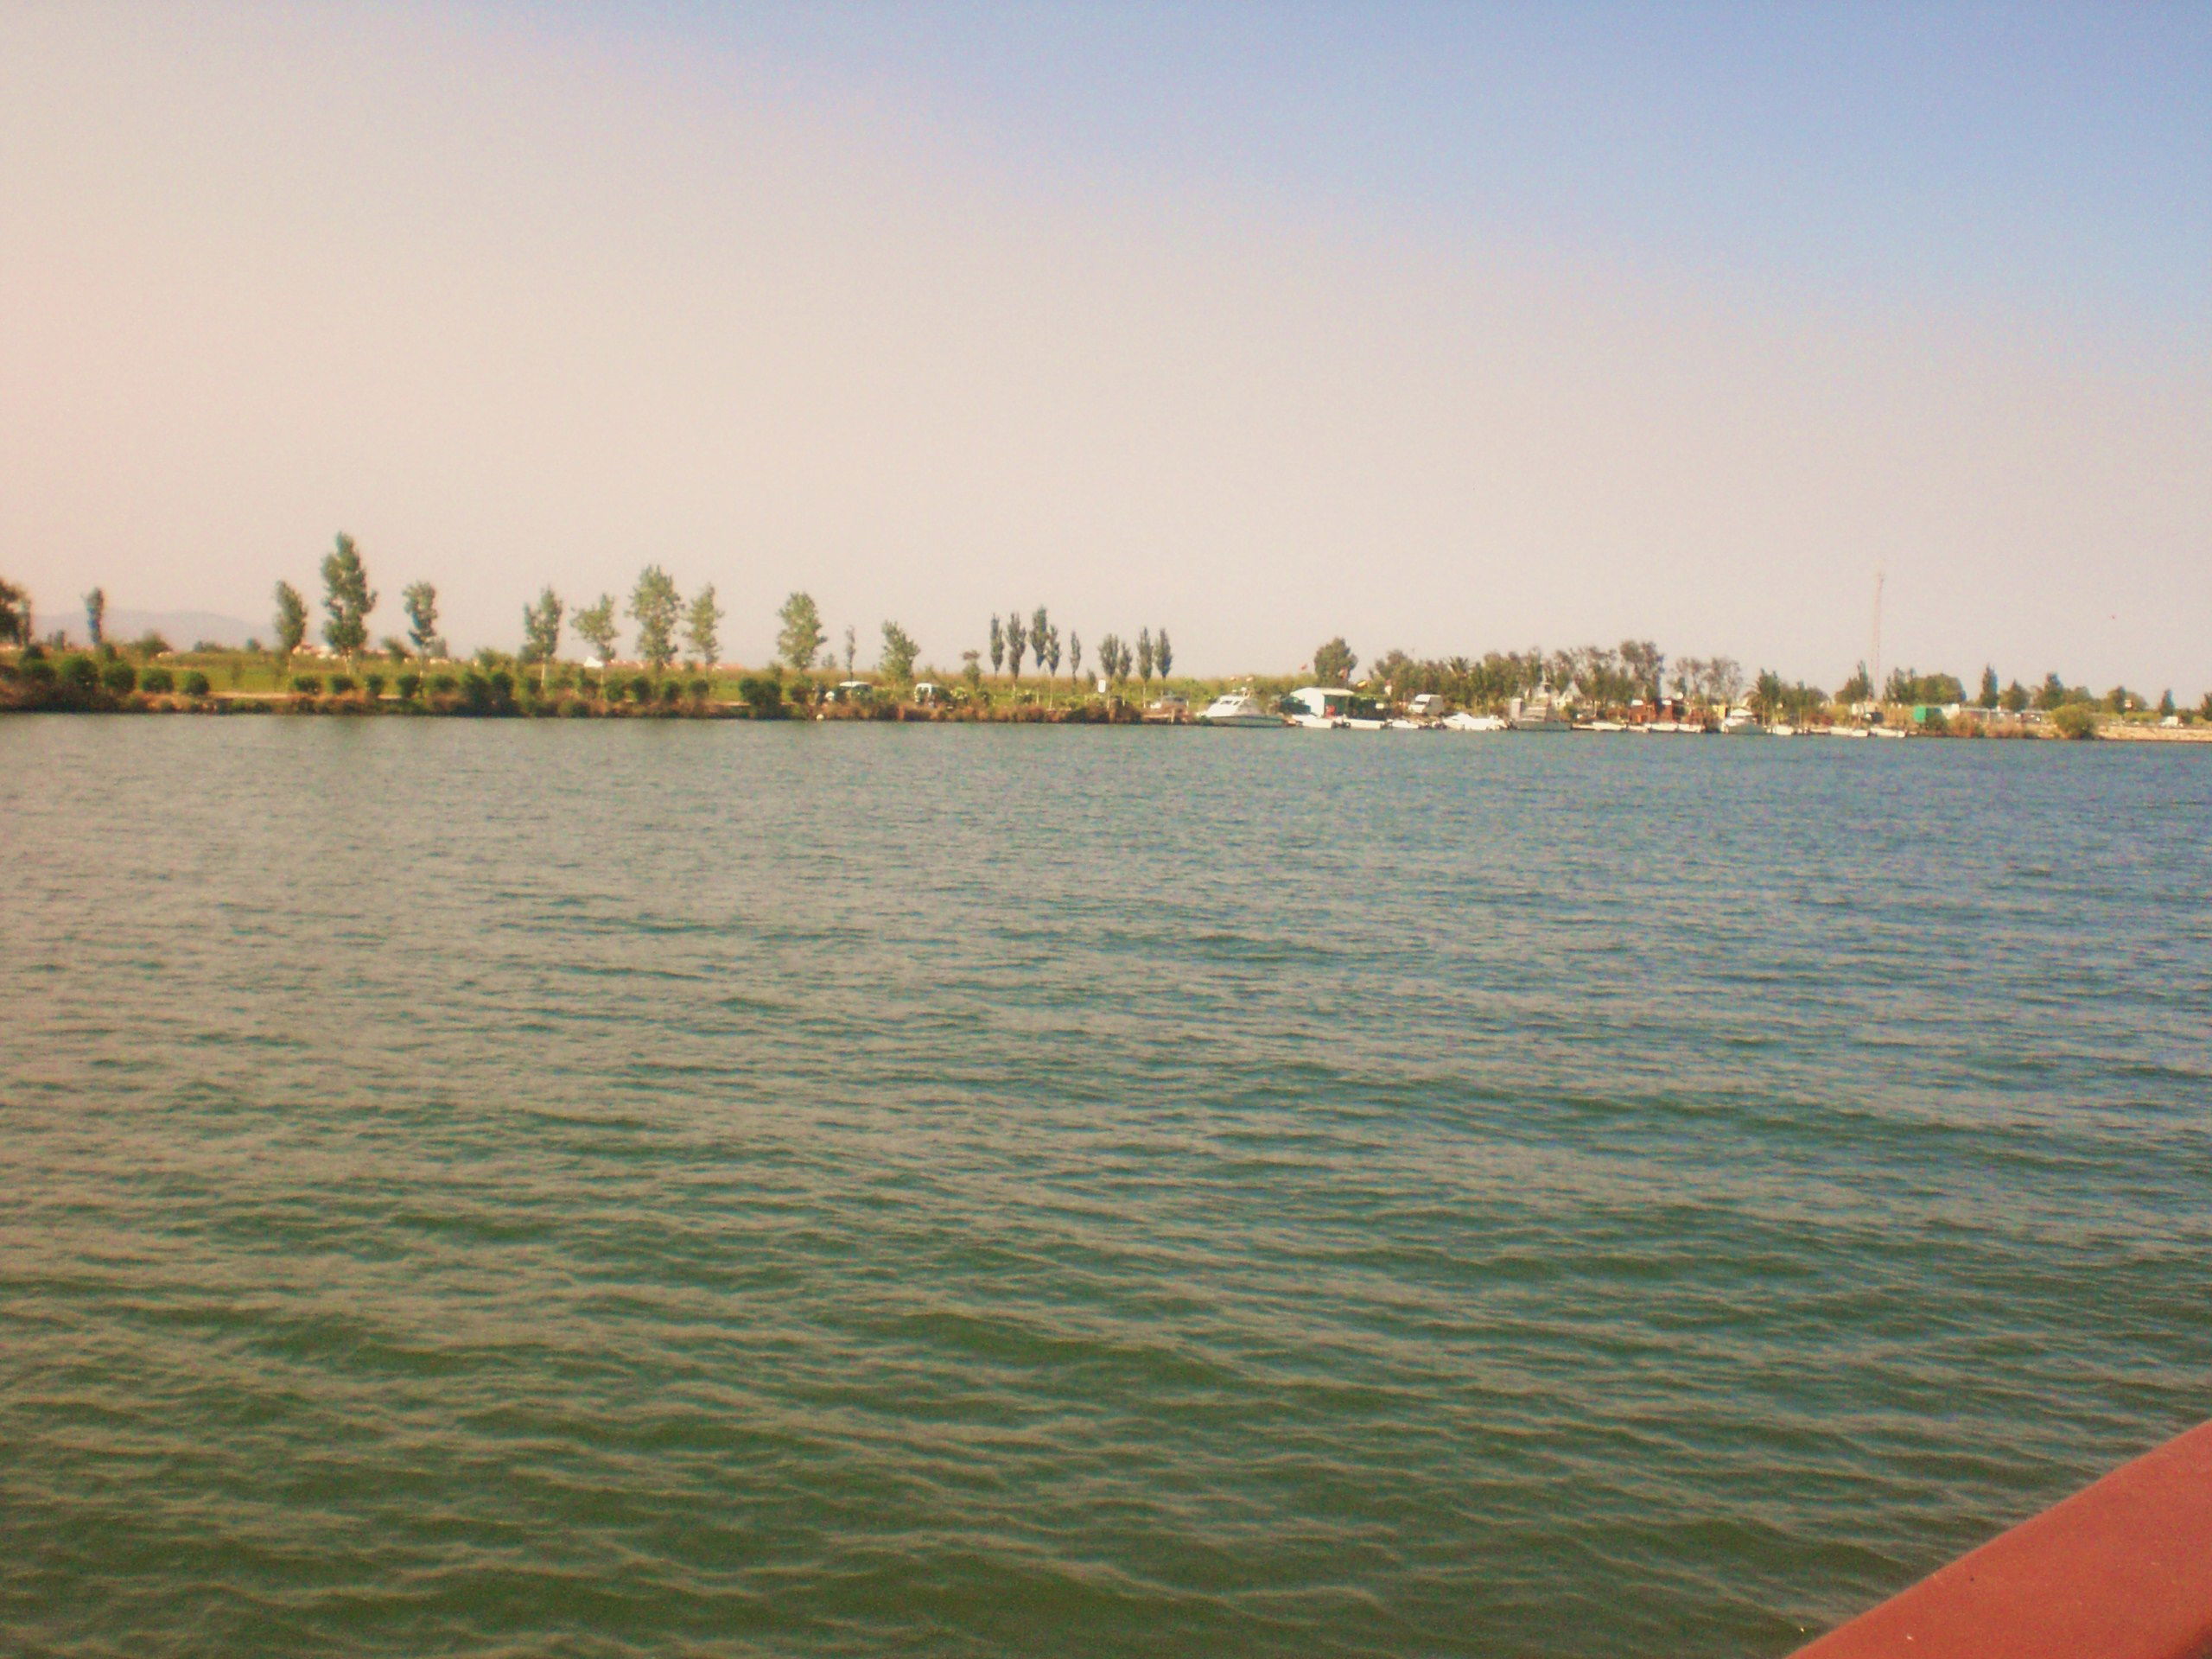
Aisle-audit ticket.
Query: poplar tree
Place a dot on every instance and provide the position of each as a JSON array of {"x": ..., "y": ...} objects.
[
  {"x": 1163, "y": 653},
  {"x": 291, "y": 622},
  {"x": 1075, "y": 655},
  {"x": 420, "y": 601},
  {"x": 347, "y": 598},
  {"x": 596, "y": 623},
  {"x": 702, "y": 627},
  {"x": 899, "y": 654},
  {"x": 800, "y": 640},
  {"x": 654, "y": 605},
  {"x": 852, "y": 649},
  {"x": 998, "y": 644},
  {"x": 1144, "y": 656},
  {"x": 540, "y": 630},
  {"x": 96, "y": 617},
  {"x": 15, "y": 614},
  {"x": 1017, "y": 641}
]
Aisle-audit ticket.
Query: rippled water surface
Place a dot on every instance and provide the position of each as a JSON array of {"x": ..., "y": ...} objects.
[{"x": 636, "y": 1188}]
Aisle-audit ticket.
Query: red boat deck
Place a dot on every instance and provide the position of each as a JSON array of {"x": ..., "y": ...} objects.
[{"x": 2120, "y": 1570}]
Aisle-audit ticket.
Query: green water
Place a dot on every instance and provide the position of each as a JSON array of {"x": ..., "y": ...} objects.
[{"x": 620, "y": 1189}]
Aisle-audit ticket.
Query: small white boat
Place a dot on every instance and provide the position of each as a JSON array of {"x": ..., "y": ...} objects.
[
  {"x": 1601, "y": 726},
  {"x": 1238, "y": 709},
  {"x": 1783, "y": 730},
  {"x": 1464, "y": 722},
  {"x": 1741, "y": 723}
]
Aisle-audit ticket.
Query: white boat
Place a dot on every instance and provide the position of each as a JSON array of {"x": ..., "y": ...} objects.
[
  {"x": 1464, "y": 722},
  {"x": 1332, "y": 707},
  {"x": 1601, "y": 726},
  {"x": 1238, "y": 709},
  {"x": 1539, "y": 712},
  {"x": 1783, "y": 730},
  {"x": 1741, "y": 723}
]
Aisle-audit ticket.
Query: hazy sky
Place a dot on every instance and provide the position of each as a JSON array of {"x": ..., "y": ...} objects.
[{"x": 1447, "y": 327}]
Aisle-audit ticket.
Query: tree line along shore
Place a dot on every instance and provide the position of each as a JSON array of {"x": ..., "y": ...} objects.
[{"x": 674, "y": 669}]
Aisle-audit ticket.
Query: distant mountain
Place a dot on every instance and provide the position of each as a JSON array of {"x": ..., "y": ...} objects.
[{"x": 183, "y": 629}]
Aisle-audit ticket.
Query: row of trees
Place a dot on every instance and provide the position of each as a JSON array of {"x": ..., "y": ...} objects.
[
  {"x": 1037, "y": 637},
  {"x": 667, "y": 626}
]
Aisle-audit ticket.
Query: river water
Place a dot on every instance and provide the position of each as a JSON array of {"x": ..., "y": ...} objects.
[{"x": 624, "y": 1188}]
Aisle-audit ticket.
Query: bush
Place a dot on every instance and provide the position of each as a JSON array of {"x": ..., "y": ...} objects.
[
  {"x": 118, "y": 679},
  {"x": 410, "y": 684},
  {"x": 37, "y": 669},
  {"x": 374, "y": 684},
  {"x": 341, "y": 685},
  {"x": 764, "y": 696},
  {"x": 80, "y": 674},
  {"x": 195, "y": 682},
  {"x": 699, "y": 687},
  {"x": 444, "y": 684},
  {"x": 670, "y": 691},
  {"x": 576, "y": 708},
  {"x": 308, "y": 685},
  {"x": 158, "y": 681},
  {"x": 641, "y": 688},
  {"x": 2077, "y": 721}
]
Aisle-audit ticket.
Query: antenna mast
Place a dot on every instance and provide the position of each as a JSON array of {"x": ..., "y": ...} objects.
[{"x": 1874, "y": 673}]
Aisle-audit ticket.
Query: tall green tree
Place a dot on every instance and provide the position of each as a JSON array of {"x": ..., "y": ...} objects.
[
  {"x": 1017, "y": 641},
  {"x": 1145, "y": 659},
  {"x": 702, "y": 627},
  {"x": 654, "y": 607},
  {"x": 1040, "y": 639},
  {"x": 1333, "y": 662},
  {"x": 541, "y": 634},
  {"x": 420, "y": 600},
  {"x": 998, "y": 644},
  {"x": 1075, "y": 655},
  {"x": 290, "y": 622},
  {"x": 1990, "y": 694},
  {"x": 899, "y": 654},
  {"x": 2015, "y": 698},
  {"x": 595, "y": 624},
  {"x": 852, "y": 649},
  {"x": 15, "y": 614},
  {"x": 347, "y": 598},
  {"x": 96, "y": 617},
  {"x": 1163, "y": 654},
  {"x": 800, "y": 639},
  {"x": 1860, "y": 688}
]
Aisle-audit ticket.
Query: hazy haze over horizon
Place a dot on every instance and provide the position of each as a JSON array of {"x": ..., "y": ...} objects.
[{"x": 1445, "y": 330}]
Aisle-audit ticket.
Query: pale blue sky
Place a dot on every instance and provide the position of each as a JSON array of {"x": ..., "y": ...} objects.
[
  {"x": 2055, "y": 161},
  {"x": 1449, "y": 328}
]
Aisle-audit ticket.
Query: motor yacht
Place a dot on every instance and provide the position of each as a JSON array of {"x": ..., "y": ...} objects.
[{"x": 1238, "y": 709}]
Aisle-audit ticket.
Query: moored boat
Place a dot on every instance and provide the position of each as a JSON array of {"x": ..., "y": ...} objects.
[{"x": 1238, "y": 709}]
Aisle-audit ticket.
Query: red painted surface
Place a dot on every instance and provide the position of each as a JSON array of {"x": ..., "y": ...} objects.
[{"x": 2120, "y": 1570}]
